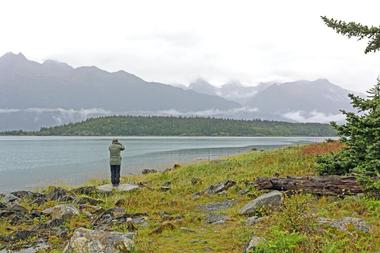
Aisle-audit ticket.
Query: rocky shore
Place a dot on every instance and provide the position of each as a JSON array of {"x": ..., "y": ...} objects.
[{"x": 162, "y": 212}]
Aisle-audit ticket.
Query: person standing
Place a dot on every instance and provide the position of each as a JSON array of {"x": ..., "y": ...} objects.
[{"x": 115, "y": 161}]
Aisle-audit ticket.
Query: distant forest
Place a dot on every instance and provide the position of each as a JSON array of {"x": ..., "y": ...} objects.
[{"x": 180, "y": 126}]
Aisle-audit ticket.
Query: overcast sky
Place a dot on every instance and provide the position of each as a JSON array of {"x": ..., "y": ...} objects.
[{"x": 179, "y": 41}]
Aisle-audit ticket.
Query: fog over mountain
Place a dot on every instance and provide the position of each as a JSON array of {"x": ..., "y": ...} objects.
[
  {"x": 300, "y": 101},
  {"x": 233, "y": 90},
  {"x": 50, "y": 93}
]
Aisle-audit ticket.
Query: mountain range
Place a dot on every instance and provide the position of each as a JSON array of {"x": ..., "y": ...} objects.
[
  {"x": 35, "y": 95},
  {"x": 300, "y": 101}
]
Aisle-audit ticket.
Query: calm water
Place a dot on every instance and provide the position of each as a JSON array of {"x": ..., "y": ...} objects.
[{"x": 31, "y": 162}]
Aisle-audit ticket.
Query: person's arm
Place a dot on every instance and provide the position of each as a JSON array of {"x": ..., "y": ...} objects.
[{"x": 122, "y": 147}]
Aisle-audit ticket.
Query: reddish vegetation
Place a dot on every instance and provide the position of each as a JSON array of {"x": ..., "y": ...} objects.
[{"x": 322, "y": 148}]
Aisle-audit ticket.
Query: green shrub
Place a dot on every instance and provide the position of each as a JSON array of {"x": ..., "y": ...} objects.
[
  {"x": 361, "y": 135},
  {"x": 296, "y": 215},
  {"x": 280, "y": 241}
]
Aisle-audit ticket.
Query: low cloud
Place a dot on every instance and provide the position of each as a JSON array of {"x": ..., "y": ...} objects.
[
  {"x": 67, "y": 111},
  {"x": 60, "y": 115},
  {"x": 314, "y": 116},
  {"x": 9, "y": 110},
  {"x": 205, "y": 113}
]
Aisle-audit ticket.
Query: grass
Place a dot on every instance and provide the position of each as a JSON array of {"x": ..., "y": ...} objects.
[{"x": 292, "y": 229}]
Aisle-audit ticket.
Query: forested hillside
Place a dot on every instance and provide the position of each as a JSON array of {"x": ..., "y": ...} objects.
[{"x": 180, "y": 126}]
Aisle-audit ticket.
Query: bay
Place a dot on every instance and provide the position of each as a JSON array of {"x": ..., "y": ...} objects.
[{"x": 30, "y": 162}]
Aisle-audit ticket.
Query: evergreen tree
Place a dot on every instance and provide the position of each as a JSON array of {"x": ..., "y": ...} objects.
[
  {"x": 353, "y": 29},
  {"x": 361, "y": 132}
]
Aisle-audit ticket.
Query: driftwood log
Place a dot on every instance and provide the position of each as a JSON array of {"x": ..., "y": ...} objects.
[{"x": 323, "y": 185}]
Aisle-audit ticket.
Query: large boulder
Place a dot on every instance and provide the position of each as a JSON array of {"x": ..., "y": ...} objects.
[
  {"x": 271, "y": 200},
  {"x": 98, "y": 241},
  {"x": 61, "y": 211}
]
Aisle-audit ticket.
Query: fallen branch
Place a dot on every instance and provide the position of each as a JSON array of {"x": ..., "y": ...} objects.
[{"x": 323, "y": 185}]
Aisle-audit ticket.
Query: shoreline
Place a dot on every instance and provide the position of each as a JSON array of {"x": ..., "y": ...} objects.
[
  {"x": 140, "y": 171},
  {"x": 189, "y": 203},
  {"x": 159, "y": 159}
]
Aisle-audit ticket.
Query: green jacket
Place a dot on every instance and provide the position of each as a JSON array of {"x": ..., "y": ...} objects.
[{"x": 115, "y": 157}]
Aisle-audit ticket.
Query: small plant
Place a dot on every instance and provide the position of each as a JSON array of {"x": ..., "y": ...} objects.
[
  {"x": 280, "y": 241},
  {"x": 296, "y": 216}
]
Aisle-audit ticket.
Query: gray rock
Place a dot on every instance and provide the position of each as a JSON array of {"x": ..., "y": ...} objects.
[
  {"x": 122, "y": 188},
  {"x": 109, "y": 215},
  {"x": 219, "y": 222},
  {"x": 168, "y": 216},
  {"x": 16, "y": 214},
  {"x": 343, "y": 224},
  {"x": 86, "y": 190},
  {"x": 139, "y": 221},
  {"x": 118, "y": 215},
  {"x": 166, "y": 186},
  {"x": 196, "y": 195},
  {"x": 90, "y": 208},
  {"x": 51, "y": 224},
  {"x": 17, "y": 209},
  {"x": 35, "y": 213},
  {"x": 218, "y": 205},
  {"x": 243, "y": 192},
  {"x": 27, "y": 194},
  {"x": 13, "y": 209},
  {"x": 270, "y": 200},
  {"x": 3, "y": 206},
  {"x": 88, "y": 200},
  {"x": 40, "y": 246},
  {"x": 255, "y": 240},
  {"x": 213, "y": 218},
  {"x": 220, "y": 187},
  {"x": 39, "y": 200},
  {"x": 148, "y": 171},
  {"x": 186, "y": 229},
  {"x": 9, "y": 198},
  {"x": 98, "y": 241},
  {"x": 19, "y": 235},
  {"x": 63, "y": 211},
  {"x": 59, "y": 194},
  {"x": 251, "y": 220}
]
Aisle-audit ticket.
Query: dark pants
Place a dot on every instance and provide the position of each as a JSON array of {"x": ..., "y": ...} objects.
[{"x": 115, "y": 174}]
